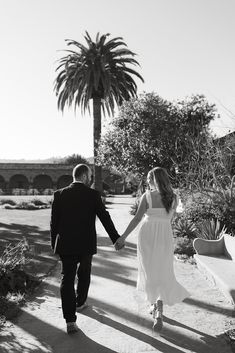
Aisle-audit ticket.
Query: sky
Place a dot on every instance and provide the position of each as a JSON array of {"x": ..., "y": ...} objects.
[{"x": 184, "y": 47}]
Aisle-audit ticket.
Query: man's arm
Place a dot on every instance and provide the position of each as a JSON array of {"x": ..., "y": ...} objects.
[
  {"x": 54, "y": 219},
  {"x": 105, "y": 219}
]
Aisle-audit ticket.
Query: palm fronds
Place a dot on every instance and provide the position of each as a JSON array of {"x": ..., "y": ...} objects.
[{"x": 99, "y": 69}]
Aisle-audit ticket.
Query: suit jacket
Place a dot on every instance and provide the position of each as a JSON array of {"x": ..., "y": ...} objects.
[{"x": 73, "y": 214}]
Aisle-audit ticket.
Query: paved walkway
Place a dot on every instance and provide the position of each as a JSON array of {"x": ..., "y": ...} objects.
[{"x": 117, "y": 319}]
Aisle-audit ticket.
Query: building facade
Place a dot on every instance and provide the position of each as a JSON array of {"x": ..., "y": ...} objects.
[{"x": 34, "y": 178}]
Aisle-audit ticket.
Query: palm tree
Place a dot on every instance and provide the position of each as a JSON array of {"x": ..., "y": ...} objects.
[{"x": 99, "y": 72}]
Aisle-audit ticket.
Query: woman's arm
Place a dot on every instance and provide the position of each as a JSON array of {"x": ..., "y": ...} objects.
[
  {"x": 137, "y": 218},
  {"x": 174, "y": 205}
]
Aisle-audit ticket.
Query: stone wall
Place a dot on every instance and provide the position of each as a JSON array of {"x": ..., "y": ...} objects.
[{"x": 34, "y": 176}]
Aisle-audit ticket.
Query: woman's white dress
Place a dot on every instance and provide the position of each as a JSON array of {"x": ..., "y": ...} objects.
[{"x": 155, "y": 257}]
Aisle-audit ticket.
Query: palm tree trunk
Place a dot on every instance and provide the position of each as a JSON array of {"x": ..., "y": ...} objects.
[{"x": 96, "y": 138}]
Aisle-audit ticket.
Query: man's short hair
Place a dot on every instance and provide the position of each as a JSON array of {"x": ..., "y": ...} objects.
[{"x": 79, "y": 170}]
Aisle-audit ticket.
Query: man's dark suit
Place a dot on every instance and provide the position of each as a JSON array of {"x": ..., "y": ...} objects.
[{"x": 73, "y": 237}]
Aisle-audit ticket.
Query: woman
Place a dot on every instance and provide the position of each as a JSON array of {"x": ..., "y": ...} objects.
[{"x": 155, "y": 245}]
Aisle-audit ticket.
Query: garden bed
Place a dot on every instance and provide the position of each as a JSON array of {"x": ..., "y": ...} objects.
[{"x": 14, "y": 226}]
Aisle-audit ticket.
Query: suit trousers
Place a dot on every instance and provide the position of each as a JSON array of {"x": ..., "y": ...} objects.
[{"x": 73, "y": 265}]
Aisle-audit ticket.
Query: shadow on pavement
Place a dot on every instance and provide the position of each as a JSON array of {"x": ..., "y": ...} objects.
[
  {"x": 99, "y": 315},
  {"x": 204, "y": 344},
  {"x": 210, "y": 345},
  {"x": 111, "y": 271},
  {"x": 45, "y": 337},
  {"x": 179, "y": 324},
  {"x": 105, "y": 266},
  {"x": 210, "y": 307}
]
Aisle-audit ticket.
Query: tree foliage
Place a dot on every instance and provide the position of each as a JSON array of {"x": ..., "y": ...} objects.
[
  {"x": 214, "y": 167},
  {"x": 99, "y": 69},
  {"x": 102, "y": 71},
  {"x": 74, "y": 159},
  {"x": 151, "y": 131}
]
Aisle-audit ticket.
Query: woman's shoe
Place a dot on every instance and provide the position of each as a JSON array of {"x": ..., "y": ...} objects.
[{"x": 158, "y": 316}]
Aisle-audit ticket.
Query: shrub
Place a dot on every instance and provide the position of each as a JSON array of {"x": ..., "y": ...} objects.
[
  {"x": 9, "y": 306},
  {"x": 15, "y": 283},
  {"x": 8, "y": 202},
  {"x": 33, "y": 192},
  {"x": 34, "y": 204},
  {"x": 183, "y": 245},
  {"x": 38, "y": 202},
  {"x": 134, "y": 207},
  {"x": 186, "y": 258},
  {"x": 27, "y": 206},
  {"x": 24, "y": 205},
  {"x": 48, "y": 192},
  {"x": 197, "y": 209},
  {"x": 223, "y": 201},
  {"x": 12, "y": 261},
  {"x": 9, "y": 207},
  {"x": 14, "y": 255},
  {"x": 183, "y": 227},
  {"x": 212, "y": 207},
  {"x": 18, "y": 191}
]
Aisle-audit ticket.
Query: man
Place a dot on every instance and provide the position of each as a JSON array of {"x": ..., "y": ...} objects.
[{"x": 73, "y": 238}]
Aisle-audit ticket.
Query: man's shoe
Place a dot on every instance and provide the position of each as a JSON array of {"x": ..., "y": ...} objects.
[
  {"x": 72, "y": 327},
  {"x": 82, "y": 307}
]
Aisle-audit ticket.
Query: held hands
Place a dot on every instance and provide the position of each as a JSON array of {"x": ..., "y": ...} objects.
[{"x": 120, "y": 243}]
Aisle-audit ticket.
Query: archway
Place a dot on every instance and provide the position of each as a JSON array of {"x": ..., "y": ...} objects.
[
  {"x": 64, "y": 181},
  {"x": 18, "y": 181},
  {"x": 42, "y": 182},
  {"x": 2, "y": 183}
]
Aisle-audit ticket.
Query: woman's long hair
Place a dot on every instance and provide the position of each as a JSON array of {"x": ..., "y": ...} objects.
[{"x": 162, "y": 181}]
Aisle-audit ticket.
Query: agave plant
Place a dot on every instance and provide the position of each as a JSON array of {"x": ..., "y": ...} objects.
[
  {"x": 210, "y": 229},
  {"x": 183, "y": 227}
]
